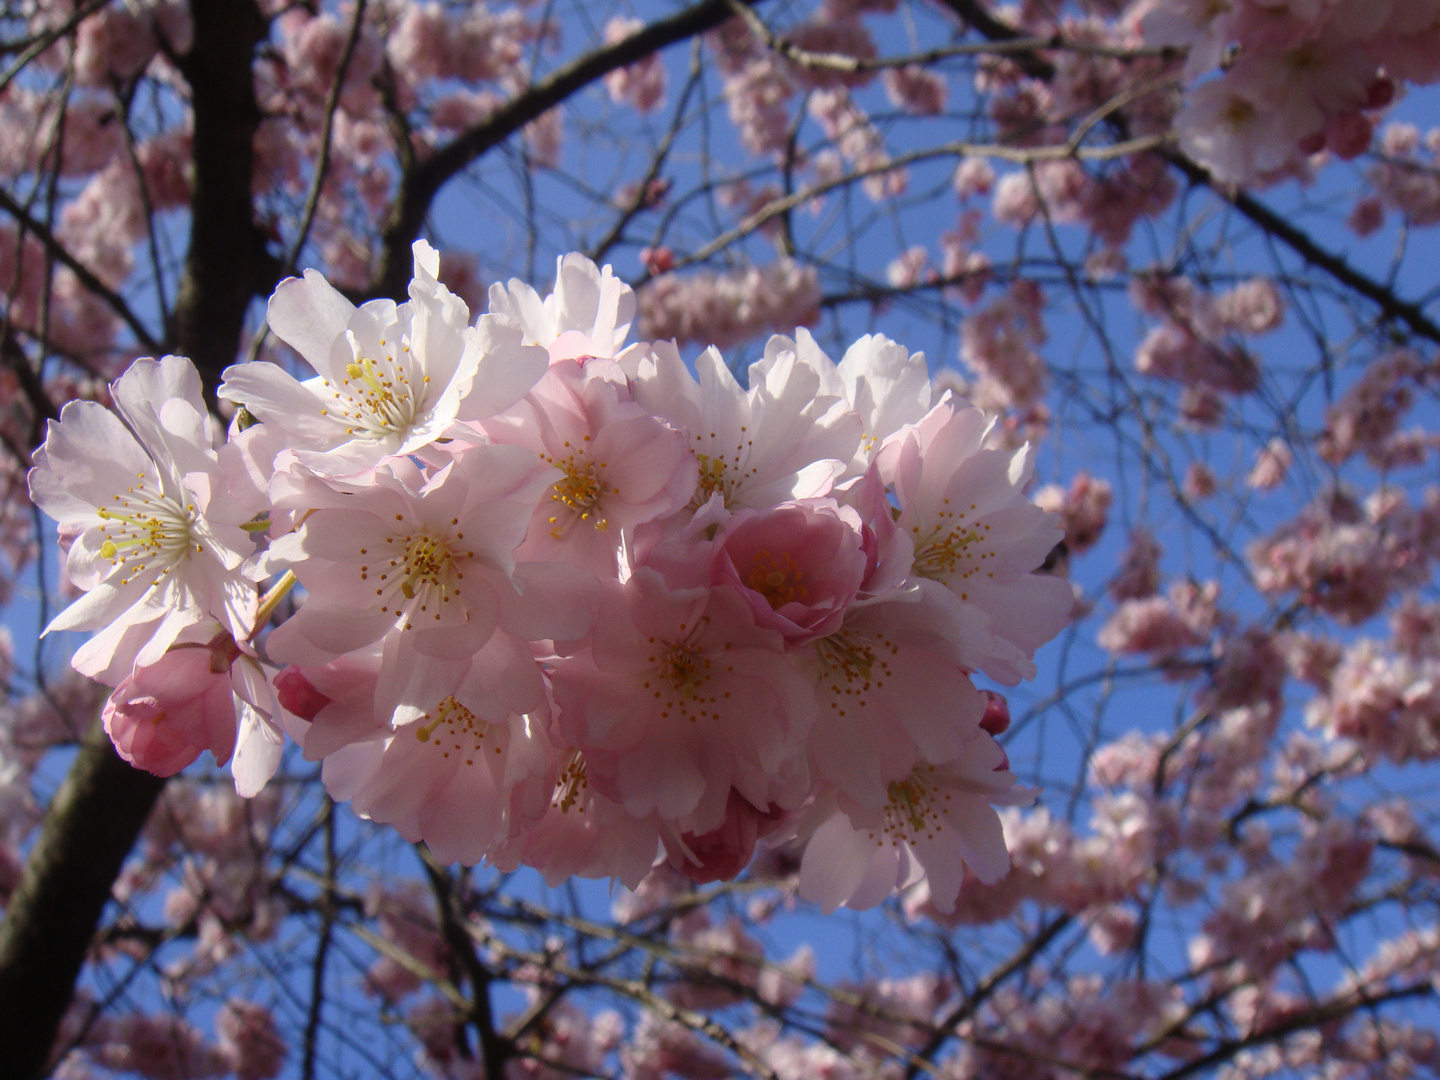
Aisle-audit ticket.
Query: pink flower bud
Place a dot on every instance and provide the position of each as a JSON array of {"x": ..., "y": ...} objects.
[{"x": 298, "y": 695}]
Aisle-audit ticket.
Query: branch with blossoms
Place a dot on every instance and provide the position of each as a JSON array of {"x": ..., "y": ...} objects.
[
  {"x": 630, "y": 608},
  {"x": 1146, "y": 276}
]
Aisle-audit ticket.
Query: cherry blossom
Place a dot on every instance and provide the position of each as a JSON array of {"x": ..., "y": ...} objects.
[
  {"x": 621, "y": 466},
  {"x": 936, "y": 822},
  {"x": 695, "y": 656},
  {"x": 953, "y": 496},
  {"x": 390, "y": 379},
  {"x": 135, "y": 492},
  {"x": 588, "y": 313},
  {"x": 781, "y": 439},
  {"x": 425, "y": 564},
  {"x": 880, "y": 379}
]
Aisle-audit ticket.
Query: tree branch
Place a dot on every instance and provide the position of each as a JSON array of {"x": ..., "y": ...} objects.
[
  {"x": 103, "y": 803},
  {"x": 420, "y": 185},
  {"x": 227, "y": 265},
  {"x": 1273, "y": 224},
  {"x": 1300, "y": 242},
  {"x": 90, "y": 828},
  {"x": 495, "y": 1048},
  {"x": 61, "y": 254}
]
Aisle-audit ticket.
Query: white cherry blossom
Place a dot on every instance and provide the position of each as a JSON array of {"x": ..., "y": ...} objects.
[
  {"x": 780, "y": 439},
  {"x": 390, "y": 377},
  {"x": 882, "y": 380},
  {"x": 588, "y": 313},
  {"x": 140, "y": 496}
]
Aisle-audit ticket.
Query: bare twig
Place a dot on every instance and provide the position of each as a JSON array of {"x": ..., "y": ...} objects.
[
  {"x": 420, "y": 184},
  {"x": 86, "y": 277}
]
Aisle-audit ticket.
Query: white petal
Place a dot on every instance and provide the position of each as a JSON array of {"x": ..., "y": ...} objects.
[
  {"x": 258, "y": 749},
  {"x": 308, "y": 314},
  {"x": 835, "y": 863}
]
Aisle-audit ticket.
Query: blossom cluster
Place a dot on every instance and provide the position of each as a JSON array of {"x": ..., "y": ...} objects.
[
  {"x": 567, "y": 604},
  {"x": 1294, "y": 78}
]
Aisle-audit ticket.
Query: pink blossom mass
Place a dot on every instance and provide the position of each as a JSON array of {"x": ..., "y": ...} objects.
[{"x": 588, "y": 599}]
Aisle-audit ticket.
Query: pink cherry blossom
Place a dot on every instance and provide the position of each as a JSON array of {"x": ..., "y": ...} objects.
[
  {"x": 463, "y": 777},
  {"x": 584, "y": 834},
  {"x": 884, "y": 382},
  {"x": 725, "y": 309},
  {"x": 721, "y": 853},
  {"x": 162, "y": 717},
  {"x": 799, "y": 566},
  {"x": 248, "y": 1037},
  {"x": 681, "y": 697},
  {"x": 427, "y": 564},
  {"x": 892, "y": 690},
  {"x": 152, "y": 551},
  {"x": 620, "y": 466},
  {"x": 936, "y": 821},
  {"x": 1084, "y": 509},
  {"x": 974, "y": 532},
  {"x": 1271, "y": 465},
  {"x": 642, "y": 85}
]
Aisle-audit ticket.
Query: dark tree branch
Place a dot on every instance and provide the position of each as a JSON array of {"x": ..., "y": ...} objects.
[
  {"x": 90, "y": 827},
  {"x": 227, "y": 265},
  {"x": 420, "y": 185},
  {"x": 1315, "y": 1018},
  {"x": 97, "y": 815},
  {"x": 31, "y": 385},
  {"x": 86, "y": 277},
  {"x": 1272, "y": 224},
  {"x": 1304, "y": 245},
  {"x": 971, "y": 1003},
  {"x": 42, "y": 41},
  {"x": 990, "y": 28},
  {"x": 322, "y": 950},
  {"x": 495, "y": 1048}
]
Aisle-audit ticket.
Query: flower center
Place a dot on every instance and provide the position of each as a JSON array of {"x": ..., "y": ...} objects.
[
  {"x": 712, "y": 475},
  {"x": 955, "y": 549},
  {"x": 580, "y": 492},
  {"x": 456, "y": 730},
  {"x": 723, "y": 471},
  {"x": 376, "y": 396},
  {"x": 852, "y": 668},
  {"x": 912, "y": 812},
  {"x": 688, "y": 671},
  {"x": 144, "y": 527},
  {"x": 423, "y": 569},
  {"x": 572, "y": 785},
  {"x": 679, "y": 683},
  {"x": 423, "y": 563},
  {"x": 780, "y": 581},
  {"x": 1238, "y": 114}
]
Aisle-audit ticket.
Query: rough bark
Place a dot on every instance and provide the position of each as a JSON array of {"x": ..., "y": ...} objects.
[
  {"x": 227, "y": 265},
  {"x": 90, "y": 828}
]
